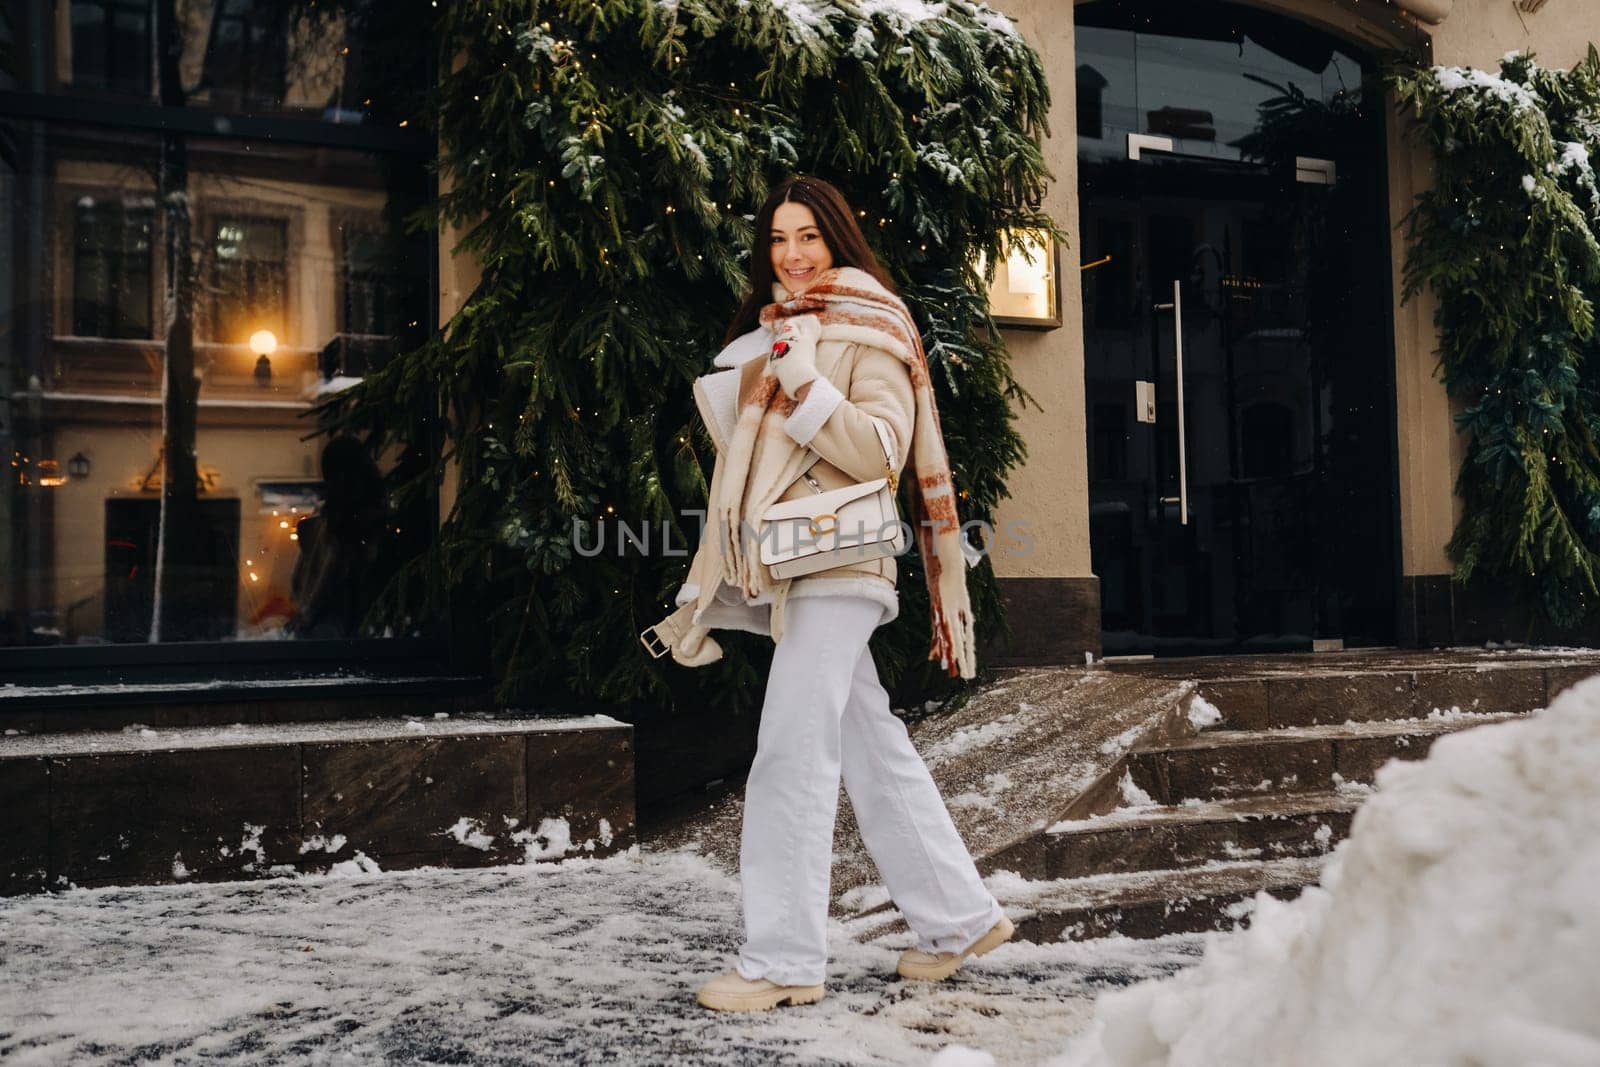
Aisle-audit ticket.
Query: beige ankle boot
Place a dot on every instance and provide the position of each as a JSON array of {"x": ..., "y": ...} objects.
[
  {"x": 937, "y": 966},
  {"x": 732, "y": 992}
]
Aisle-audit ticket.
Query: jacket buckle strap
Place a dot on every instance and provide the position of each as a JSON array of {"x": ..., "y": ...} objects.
[{"x": 653, "y": 643}]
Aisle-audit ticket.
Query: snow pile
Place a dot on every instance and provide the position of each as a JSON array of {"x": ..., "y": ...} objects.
[
  {"x": 552, "y": 840},
  {"x": 469, "y": 832},
  {"x": 1459, "y": 924},
  {"x": 1132, "y": 795},
  {"x": 1203, "y": 713}
]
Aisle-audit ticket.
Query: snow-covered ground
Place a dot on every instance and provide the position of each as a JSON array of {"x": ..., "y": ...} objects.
[
  {"x": 1458, "y": 925},
  {"x": 586, "y": 961}
]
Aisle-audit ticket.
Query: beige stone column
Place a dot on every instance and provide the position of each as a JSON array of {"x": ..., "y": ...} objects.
[
  {"x": 316, "y": 267},
  {"x": 1051, "y": 592},
  {"x": 459, "y": 274}
]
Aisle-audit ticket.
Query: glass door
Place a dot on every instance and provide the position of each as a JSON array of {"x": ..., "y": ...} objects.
[{"x": 1237, "y": 358}]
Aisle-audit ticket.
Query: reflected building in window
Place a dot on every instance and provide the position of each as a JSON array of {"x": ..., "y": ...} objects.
[{"x": 302, "y": 281}]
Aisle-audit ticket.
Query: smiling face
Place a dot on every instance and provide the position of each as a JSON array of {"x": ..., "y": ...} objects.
[{"x": 799, "y": 253}]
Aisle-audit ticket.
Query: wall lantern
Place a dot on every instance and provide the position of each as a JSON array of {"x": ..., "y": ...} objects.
[
  {"x": 1026, "y": 290},
  {"x": 78, "y": 467},
  {"x": 263, "y": 343}
]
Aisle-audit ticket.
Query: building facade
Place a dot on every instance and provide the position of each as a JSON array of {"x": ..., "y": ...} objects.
[
  {"x": 1232, "y": 174},
  {"x": 1241, "y": 443}
]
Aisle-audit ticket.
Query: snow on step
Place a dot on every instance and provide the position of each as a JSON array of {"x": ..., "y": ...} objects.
[
  {"x": 141, "y": 805},
  {"x": 1214, "y": 896},
  {"x": 1164, "y": 837},
  {"x": 140, "y": 738},
  {"x": 1236, "y": 763},
  {"x": 1138, "y": 904}
]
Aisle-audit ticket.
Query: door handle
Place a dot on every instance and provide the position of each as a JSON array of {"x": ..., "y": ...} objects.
[{"x": 1176, "y": 307}]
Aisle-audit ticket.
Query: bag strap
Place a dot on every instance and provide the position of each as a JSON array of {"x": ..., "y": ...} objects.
[
  {"x": 888, "y": 456},
  {"x": 888, "y": 461}
]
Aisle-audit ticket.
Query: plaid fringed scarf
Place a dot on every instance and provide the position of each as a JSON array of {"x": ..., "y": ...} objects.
[{"x": 854, "y": 307}]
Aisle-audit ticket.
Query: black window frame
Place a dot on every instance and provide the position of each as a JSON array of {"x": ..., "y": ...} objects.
[
  {"x": 453, "y": 652},
  {"x": 239, "y": 297},
  {"x": 121, "y": 71},
  {"x": 118, "y": 264},
  {"x": 247, "y": 55},
  {"x": 379, "y": 293}
]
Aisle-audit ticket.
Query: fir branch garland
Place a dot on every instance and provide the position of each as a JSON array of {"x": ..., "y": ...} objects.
[
  {"x": 604, "y": 159},
  {"x": 1507, "y": 240}
]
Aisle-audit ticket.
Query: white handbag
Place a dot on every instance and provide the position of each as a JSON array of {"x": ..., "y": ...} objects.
[{"x": 834, "y": 527}]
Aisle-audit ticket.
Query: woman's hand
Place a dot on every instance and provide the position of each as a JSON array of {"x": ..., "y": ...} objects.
[{"x": 794, "y": 353}]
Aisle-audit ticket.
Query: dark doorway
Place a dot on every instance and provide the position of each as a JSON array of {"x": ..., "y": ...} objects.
[
  {"x": 1238, "y": 344},
  {"x": 210, "y": 582}
]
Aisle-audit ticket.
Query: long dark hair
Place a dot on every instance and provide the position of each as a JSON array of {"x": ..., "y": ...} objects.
[
  {"x": 353, "y": 502},
  {"x": 839, "y": 231}
]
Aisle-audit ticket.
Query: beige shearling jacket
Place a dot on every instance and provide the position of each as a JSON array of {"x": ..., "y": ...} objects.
[{"x": 856, "y": 385}]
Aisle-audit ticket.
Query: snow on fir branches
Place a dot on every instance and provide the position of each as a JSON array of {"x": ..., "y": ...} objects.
[
  {"x": 604, "y": 160},
  {"x": 1506, "y": 238}
]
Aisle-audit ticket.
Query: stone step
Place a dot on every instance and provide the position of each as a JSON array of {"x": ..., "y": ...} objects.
[
  {"x": 1309, "y": 695},
  {"x": 1221, "y": 764},
  {"x": 1135, "y": 904},
  {"x": 1152, "y": 903},
  {"x": 147, "y": 805},
  {"x": 1169, "y": 837},
  {"x": 113, "y": 702}
]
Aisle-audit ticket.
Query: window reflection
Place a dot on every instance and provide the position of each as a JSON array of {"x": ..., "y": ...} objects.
[
  {"x": 303, "y": 281},
  {"x": 304, "y": 291},
  {"x": 249, "y": 278},
  {"x": 111, "y": 267},
  {"x": 346, "y": 548},
  {"x": 246, "y": 64},
  {"x": 1198, "y": 74},
  {"x": 354, "y": 61},
  {"x": 111, "y": 44}
]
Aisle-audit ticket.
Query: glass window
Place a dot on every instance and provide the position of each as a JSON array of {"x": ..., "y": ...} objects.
[
  {"x": 249, "y": 280},
  {"x": 1202, "y": 74},
  {"x": 1107, "y": 75},
  {"x": 302, "y": 280},
  {"x": 377, "y": 305},
  {"x": 373, "y": 291},
  {"x": 247, "y": 55},
  {"x": 354, "y": 62},
  {"x": 111, "y": 44},
  {"x": 111, "y": 267}
]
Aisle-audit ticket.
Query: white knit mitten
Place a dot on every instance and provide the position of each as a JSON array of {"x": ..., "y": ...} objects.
[{"x": 798, "y": 363}]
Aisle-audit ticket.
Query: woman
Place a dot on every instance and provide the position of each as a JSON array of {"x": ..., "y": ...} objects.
[
  {"x": 820, "y": 358},
  {"x": 344, "y": 558}
]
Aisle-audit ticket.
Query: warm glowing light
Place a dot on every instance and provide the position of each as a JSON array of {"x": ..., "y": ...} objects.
[
  {"x": 1024, "y": 290},
  {"x": 283, "y": 524},
  {"x": 254, "y": 577},
  {"x": 294, "y": 537},
  {"x": 263, "y": 342},
  {"x": 1025, "y": 270}
]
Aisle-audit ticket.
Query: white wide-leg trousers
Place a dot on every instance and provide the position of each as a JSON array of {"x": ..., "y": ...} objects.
[{"x": 826, "y": 714}]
